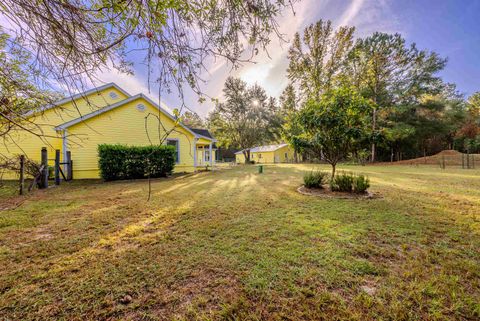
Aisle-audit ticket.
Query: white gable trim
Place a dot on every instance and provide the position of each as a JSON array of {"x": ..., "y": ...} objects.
[
  {"x": 121, "y": 103},
  {"x": 77, "y": 96}
]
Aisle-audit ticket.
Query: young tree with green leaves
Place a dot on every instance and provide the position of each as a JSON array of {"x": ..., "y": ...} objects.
[
  {"x": 333, "y": 126},
  {"x": 245, "y": 119}
]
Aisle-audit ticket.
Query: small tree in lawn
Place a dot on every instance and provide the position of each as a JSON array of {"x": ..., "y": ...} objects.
[{"x": 333, "y": 126}]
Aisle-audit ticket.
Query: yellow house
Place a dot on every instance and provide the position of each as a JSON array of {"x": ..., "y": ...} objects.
[
  {"x": 108, "y": 115},
  {"x": 280, "y": 153}
]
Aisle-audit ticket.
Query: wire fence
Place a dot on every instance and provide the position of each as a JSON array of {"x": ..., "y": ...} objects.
[{"x": 446, "y": 160}]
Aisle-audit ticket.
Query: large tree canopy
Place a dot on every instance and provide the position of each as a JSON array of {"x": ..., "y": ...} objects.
[
  {"x": 245, "y": 119},
  {"x": 65, "y": 44},
  {"x": 384, "y": 69},
  {"x": 317, "y": 59},
  {"x": 74, "y": 39},
  {"x": 395, "y": 76}
]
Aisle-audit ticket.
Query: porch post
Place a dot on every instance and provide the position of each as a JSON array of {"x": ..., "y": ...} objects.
[
  {"x": 65, "y": 150},
  {"x": 195, "y": 154},
  {"x": 211, "y": 155}
]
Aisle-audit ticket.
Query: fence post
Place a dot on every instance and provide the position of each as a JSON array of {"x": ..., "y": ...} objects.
[
  {"x": 473, "y": 161},
  {"x": 44, "y": 174},
  {"x": 468, "y": 160},
  {"x": 22, "y": 171},
  {"x": 463, "y": 161},
  {"x": 57, "y": 167},
  {"x": 69, "y": 166}
]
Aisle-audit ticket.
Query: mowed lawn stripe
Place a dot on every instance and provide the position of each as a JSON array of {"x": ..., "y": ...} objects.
[{"x": 235, "y": 244}]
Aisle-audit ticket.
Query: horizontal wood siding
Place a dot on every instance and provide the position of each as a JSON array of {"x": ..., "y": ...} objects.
[
  {"x": 29, "y": 144},
  {"x": 130, "y": 126}
]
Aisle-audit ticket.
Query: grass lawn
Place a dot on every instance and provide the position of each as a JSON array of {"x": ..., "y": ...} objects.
[{"x": 237, "y": 245}]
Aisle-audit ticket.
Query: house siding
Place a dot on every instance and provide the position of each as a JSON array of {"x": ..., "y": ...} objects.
[
  {"x": 29, "y": 144},
  {"x": 277, "y": 156},
  {"x": 125, "y": 124},
  {"x": 128, "y": 126}
]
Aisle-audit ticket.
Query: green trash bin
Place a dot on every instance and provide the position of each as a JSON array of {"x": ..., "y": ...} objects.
[{"x": 260, "y": 169}]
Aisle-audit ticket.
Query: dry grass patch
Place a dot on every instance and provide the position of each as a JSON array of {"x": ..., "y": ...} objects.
[{"x": 237, "y": 245}]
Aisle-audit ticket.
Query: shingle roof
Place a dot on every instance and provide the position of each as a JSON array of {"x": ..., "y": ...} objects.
[
  {"x": 265, "y": 148},
  {"x": 201, "y": 131}
]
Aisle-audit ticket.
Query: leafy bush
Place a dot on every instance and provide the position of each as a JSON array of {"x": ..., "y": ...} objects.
[
  {"x": 130, "y": 162},
  {"x": 349, "y": 182},
  {"x": 315, "y": 179},
  {"x": 342, "y": 182},
  {"x": 360, "y": 183}
]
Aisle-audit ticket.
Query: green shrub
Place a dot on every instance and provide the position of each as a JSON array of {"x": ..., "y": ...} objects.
[
  {"x": 349, "y": 182},
  {"x": 130, "y": 162},
  {"x": 360, "y": 183},
  {"x": 342, "y": 182},
  {"x": 315, "y": 179}
]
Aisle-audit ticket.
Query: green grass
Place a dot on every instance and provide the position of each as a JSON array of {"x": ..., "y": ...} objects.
[{"x": 238, "y": 245}]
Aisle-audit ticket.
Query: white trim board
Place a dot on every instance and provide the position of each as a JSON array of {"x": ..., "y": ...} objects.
[
  {"x": 121, "y": 103},
  {"x": 77, "y": 96}
]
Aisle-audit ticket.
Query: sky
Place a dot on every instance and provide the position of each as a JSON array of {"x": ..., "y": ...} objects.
[{"x": 449, "y": 27}]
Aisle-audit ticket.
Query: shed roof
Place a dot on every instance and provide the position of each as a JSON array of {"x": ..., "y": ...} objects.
[
  {"x": 201, "y": 131},
  {"x": 264, "y": 149}
]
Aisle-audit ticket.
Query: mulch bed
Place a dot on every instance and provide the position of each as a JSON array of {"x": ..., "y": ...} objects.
[{"x": 327, "y": 193}]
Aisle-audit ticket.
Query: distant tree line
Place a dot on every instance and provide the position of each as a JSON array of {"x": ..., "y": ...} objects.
[{"x": 411, "y": 111}]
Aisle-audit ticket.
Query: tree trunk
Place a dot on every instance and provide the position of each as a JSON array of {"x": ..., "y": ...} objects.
[
  {"x": 391, "y": 155},
  {"x": 246, "y": 154},
  {"x": 333, "y": 170},
  {"x": 374, "y": 128},
  {"x": 295, "y": 156}
]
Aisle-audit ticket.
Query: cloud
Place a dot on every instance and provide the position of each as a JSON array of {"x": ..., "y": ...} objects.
[
  {"x": 351, "y": 12},
  {"x": 368, "y": 16},
  {"x": 270, "y": 69}
]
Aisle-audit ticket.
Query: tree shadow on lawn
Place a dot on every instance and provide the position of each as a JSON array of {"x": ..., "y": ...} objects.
[{"x": 237, "y": 245}]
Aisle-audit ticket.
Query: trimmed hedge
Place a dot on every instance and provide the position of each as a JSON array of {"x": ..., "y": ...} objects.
[{"x": 129, "y": 162}]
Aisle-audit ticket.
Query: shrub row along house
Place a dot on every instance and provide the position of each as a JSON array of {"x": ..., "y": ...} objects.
[
  {"x": 280, "y": 153},
  {"x": 109, "y": 115}
]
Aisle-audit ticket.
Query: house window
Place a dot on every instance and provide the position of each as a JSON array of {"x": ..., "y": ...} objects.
[
  {"x": 259, "y": 156},
  {"x": 207, "y": 155},
  {"x": 174, "y": 142}
]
